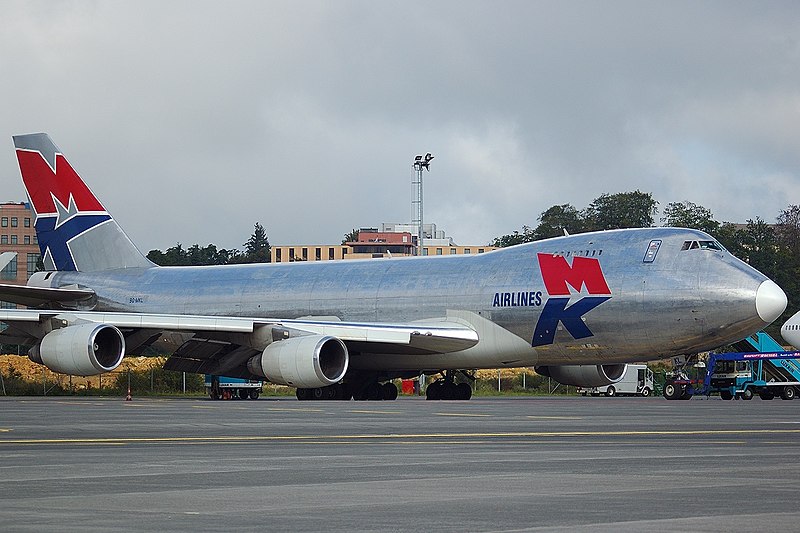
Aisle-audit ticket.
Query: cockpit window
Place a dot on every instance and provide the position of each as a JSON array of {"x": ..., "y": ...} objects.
[
  {"x": 703, "y": 245},
  {"x": 710, "y": 245}
]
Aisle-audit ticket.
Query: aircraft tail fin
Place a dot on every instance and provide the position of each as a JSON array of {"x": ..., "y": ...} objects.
[{"x": 74, "y": 230}]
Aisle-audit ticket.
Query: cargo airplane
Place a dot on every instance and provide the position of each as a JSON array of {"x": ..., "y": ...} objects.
[{"x": 577, "y": 307}]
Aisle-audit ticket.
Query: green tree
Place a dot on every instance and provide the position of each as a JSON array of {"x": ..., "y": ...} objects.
[
  {"x": 760, "y": 247},
  {"x": 634, "y": 209},
  {"x": 517, "y": 237},
  {"x": 689, "y": 215},
  {"x": 558, "y": 218},
  {"x": 257, "y": 248},
  {"x": 350, "y": 236},
  {"x": 788, "y": 230},
  {"x": 730, "y": 237}
]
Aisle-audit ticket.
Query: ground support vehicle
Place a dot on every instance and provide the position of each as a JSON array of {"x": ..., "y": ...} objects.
[
  {"x": 225, "y": 388},
  {"x": 637, "y": 380},
  {"x": 741, "y": 375}
]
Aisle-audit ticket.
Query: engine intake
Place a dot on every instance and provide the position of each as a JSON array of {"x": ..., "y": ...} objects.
[
  {"x": 306, "y": 362},
  {"x": 584, "y": 375},
  {"x": 81, "y": 350}
]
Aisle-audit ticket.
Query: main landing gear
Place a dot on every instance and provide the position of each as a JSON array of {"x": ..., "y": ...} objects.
[
  {"x": 446, "y": 388},
  {"x": 343, "y": 391}
]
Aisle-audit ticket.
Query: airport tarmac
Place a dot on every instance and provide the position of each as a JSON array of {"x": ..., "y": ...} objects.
[{"x": 489, "y": 464}]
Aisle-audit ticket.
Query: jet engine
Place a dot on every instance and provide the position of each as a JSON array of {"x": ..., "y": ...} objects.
[
  {"x": 81, "y": 350},
  {"x": 304, "y": 362},
  {"x": 584, "y": 375}
]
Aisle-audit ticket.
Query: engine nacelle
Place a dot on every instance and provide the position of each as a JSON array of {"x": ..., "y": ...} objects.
[
  {"x": 584, "y": 375},
  {"x": 81, "y": 350},
  {"x": 305, "y": 362}
]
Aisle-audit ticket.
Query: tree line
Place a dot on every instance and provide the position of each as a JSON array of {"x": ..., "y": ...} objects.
[
  {"x": 773, "y": 249},
  {"x": 256, "y": 250}
]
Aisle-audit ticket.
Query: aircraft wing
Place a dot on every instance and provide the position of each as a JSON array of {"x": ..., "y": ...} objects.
[{"x": 222, "y": 344}]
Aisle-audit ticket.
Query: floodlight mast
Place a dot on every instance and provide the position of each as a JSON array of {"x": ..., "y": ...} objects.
[{"x": 420, "y": 163}]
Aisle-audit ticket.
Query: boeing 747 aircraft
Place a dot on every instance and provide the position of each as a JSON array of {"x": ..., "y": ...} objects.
[
  {"x": 790, "y": 330},
  {"x": 576, "y": 307}
]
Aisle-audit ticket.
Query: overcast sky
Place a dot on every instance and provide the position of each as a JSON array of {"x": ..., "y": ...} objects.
[{"x": 194, "y": 120}]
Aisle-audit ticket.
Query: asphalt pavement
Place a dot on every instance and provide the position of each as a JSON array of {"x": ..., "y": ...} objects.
[{"x": 488, "y": 464}]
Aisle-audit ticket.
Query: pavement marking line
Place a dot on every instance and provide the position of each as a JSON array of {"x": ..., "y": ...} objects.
[
  {"x": 368, "y": 412},
  {"x": 294, "y": 410},
  {"x": 555, "y": 417},
  {"x": 461, "y": 414},
  {"x": 399, "y": 436}
]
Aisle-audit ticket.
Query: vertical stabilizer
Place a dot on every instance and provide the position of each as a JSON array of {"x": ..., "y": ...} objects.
[{"x": 75, "y": 231}]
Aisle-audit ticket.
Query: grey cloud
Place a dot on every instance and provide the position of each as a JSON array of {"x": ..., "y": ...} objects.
[{"x": 193, "y": 120}]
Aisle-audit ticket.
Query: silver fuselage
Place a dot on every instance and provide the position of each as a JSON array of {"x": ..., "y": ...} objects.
[{"x": 684, "y": 301}]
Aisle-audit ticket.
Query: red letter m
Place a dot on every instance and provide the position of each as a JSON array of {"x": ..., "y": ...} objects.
[{"x": 557, "y": 273}]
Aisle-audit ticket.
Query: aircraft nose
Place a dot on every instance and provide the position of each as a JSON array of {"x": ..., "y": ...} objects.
[{"x": 770, "y": 301}]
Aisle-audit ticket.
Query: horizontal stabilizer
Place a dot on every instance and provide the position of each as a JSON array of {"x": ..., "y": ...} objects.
[{"x": 41, "y": 296}]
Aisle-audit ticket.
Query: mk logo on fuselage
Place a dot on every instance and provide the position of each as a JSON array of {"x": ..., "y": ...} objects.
[{"x": 558, "y": 276}]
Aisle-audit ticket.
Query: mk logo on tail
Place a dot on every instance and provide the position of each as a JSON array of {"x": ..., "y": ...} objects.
[
  {"x": 558, "y": 276},
  {"x": 74, "y": 230}
]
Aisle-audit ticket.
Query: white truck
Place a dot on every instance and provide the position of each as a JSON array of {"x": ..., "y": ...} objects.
[{"x": 636, "y": 381}]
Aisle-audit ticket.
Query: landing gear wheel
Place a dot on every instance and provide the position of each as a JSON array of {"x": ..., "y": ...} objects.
[
  {"x": 672, "y": 391},
  {"x": 434, "y": 391},
  {"x": 254, "y": 394},
  {"x": 449, "y": 391},
  {"x": 319, "y": 393},
  {"x": 788, "y": 393},
  {"x": 389, "y": 391},
  {"x": 372, "y": 391},
  {"x": 645, "y": 392},
  {"x": 341, "y": 392},
  {"x": 463, "y": 391},
  {"x": 611, "y": 391},
  {"x": 747, "y": 394},
  {"x": 726, "y": 395},
  {"x": 303, "y": 394}
]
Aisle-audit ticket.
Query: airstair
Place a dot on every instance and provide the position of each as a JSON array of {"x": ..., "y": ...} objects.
[
  {"x": 775, "y": 369},
  {"x": 769, "y": 372}
]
